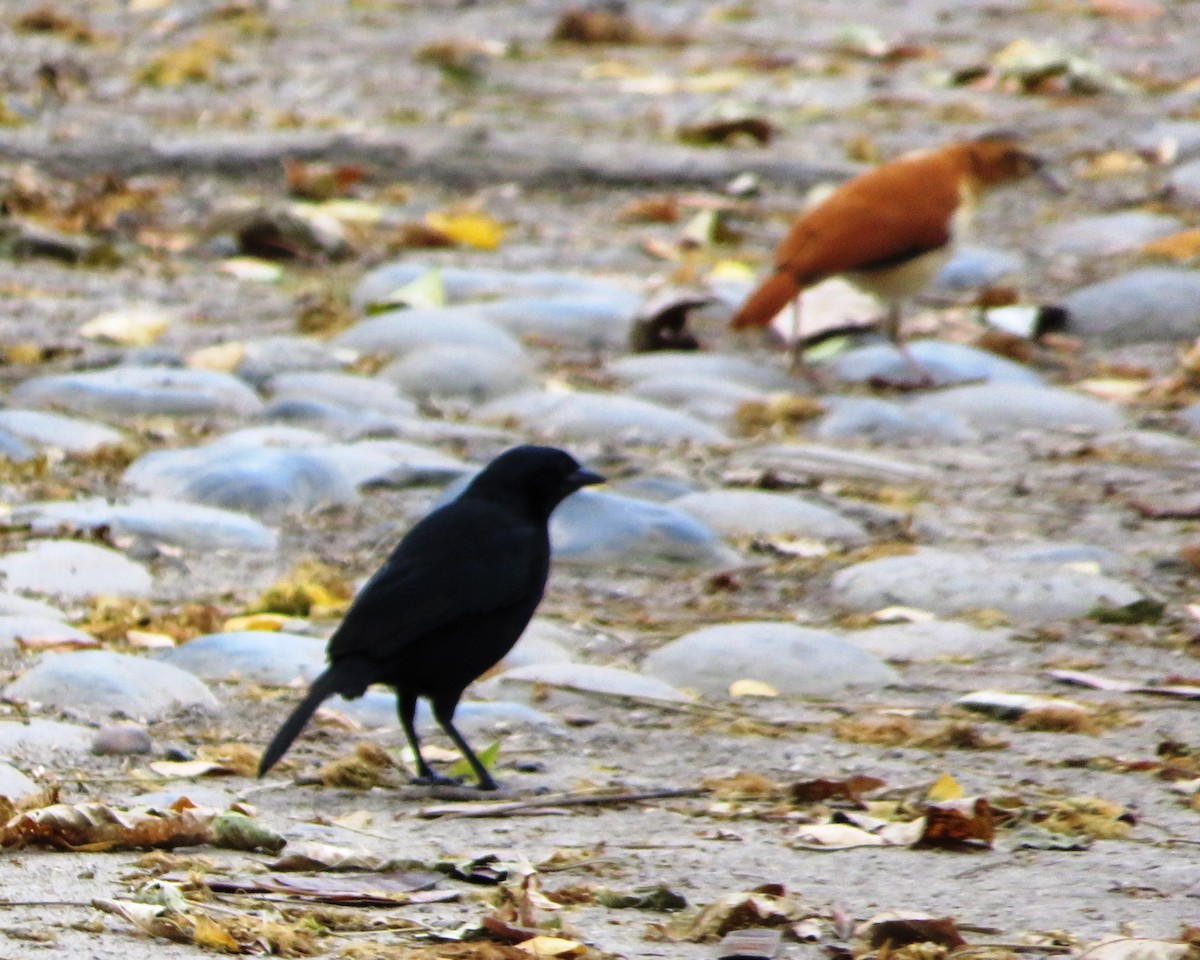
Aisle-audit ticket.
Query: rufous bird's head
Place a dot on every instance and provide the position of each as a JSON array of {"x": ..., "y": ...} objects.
[{"x": 997, "y": 158}]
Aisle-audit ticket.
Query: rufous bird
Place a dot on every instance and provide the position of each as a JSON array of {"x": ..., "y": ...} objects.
[{"x": 888, "y": 231}]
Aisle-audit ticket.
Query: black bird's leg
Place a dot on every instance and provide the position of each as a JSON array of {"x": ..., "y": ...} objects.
[
  {"x": 443, "y": 712},
  {"x": 406, "y": 707}
]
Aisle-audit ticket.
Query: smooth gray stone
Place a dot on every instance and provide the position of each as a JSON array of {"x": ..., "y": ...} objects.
[
  {"x": 881, "y": 421},
  {"x": 14, "y": 449},
  {"x": 973, "y": 268},
  {"x": 73, "y": 570},
  {"x": 334, "y": 419},
  {"x": 995, "y": 408},
  {"x": 689, "y": 363},
  {"x": 376, "y": 710},
  {"x": 1189, "y": 417},
  {"x": 794, "y": 660},
  {"x": 12, "y": 605},
  {"x": 14, "y": 784},
  {"x": 582, "y": 322},
  {"x": 948, "y": 582},
  {"x": 372, "y": 394},
  {"x": 187, "y": 525},
  {"x": 553, "y": 635},
  {"x": 39, "y": 740},
  {"x": 269, "y": 482},
  {"x": 269, "y": 435},
  {"x": 1167, "y": 447},
  {"x": 710, "y": 399},
  {"x": 258, "y": 655},
  {"x": 656, "y": 489},
  {"x": 945, "y": 363},
  {"x": 14, "y": 628},
  {"x": 580, "y": 680},
  {"x": 1106, "y": 234},
  {"x": 535, "y": 646},
  {"x": 401, "y": 331},
  {"x": 471, "y": 283},
  {"x": 1062, "y": 554},
  {"x": 392, "y": 463},
  {"x": 122, "y": 740},
  {"x": 826, "y": 460},
  {"x": 450, "y": 370},
  {"x": 929, "y": 641},
  {"x": 264, "y": 359},
  {"x": 53, "y": 430},
  {"x": 1184, "y": 184},
  {"x": 758, "y": 513},
  {"x": 140, "y": 392},
  {"x": 599, "y": 417},
  {"x": 592, "y": 527},
  {"x": 1141, "y": 306},
  {"x": 98, "y": 683}
]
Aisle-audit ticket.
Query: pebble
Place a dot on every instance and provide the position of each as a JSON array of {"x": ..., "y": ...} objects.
[
  {"x": 949, "y": 582},
  {"x": 58, "y": 432},
  {"x": 975, "y": 268},
  {"x": 544, "y": 682},
  {"x": 38, "y": 740},
  {"x": 459, "y": 371},
  {"x": 593, "y": 322},
  {"x": 474, "y": 283},
  {"x": 374, "y": 394},
  {"x": 268, "y": 482},
  {"x": 995, "y": 408},
  {"x": 263, "y": 360},
  {"x": 1143, "y": 305},
  {"x": 1109, "y": 233},
  {"x": 715, "y": 366},
  {"x": 757, "y": 513},
  {"x": 13, "y": 783},
  {"x": 97, "y": 684},
  {"x": 594, "y": 527},
  {"x": 17, "y": 627},
  {"x": 186, "y": 525},
  {"x": 1184, "y": 184},
  {"x": 332, "y": 418},
  {"x": 1170, "y": 139},
  {"x": 260, "y": 656},
  {"x": 604, "y": 417},
  {"x": 73, "y": 570},
  {"x": 1012, "y": 706},
  {"x": 140, "y": 392},
  {"x": 1189, "y": 418},
  {"x": 535, "y": 646},
  {"x": 392, "y": 463},
  {"x": 930, "y": 641},
  {"x": 376, "y": 710},
  {"x": 12, "y": 605},
  {"x": 122, "y": 740},
  {"x": 401, "y": 331},
  {"x": 793, "y": 660},
  {"x": 14, "y": 449},
  {"x": 882, "y": 421},
  {"x": 711, "y": 399},
  {"x": 945, "y": 363}
]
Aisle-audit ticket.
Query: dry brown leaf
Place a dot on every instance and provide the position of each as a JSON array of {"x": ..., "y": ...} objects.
[
  {"x": 369, "y": 766},
  {"x": 818, "y": 791},
  {"x": 97, "y": 826},
  {"x": 958, "y": 823},
  {"x": 893, "y": 930},
  {"x": 767, "y": 906}
]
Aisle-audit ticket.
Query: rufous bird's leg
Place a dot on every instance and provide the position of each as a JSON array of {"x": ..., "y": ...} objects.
[
  {"x": 800, "y": 366},
  {"x": 891, "y": 326}
]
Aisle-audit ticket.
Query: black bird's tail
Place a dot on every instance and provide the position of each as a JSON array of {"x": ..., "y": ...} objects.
[{"x": 325, "y": 686}]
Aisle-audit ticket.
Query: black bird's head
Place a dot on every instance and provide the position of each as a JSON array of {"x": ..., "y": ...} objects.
[{"x": 540, "y": 477}]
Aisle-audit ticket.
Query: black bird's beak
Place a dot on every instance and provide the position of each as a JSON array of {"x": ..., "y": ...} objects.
[{"x": 583, "y": 477}]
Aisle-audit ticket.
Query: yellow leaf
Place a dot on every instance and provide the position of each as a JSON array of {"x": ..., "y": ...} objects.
[
  {"x": 1178, "y": 246},
  {"x": 552, "y": 947},
  {"x": 132, "y": 327},
  {"x": 222, "y": 357},
  {"x": 945, "y": 788},
  {"x": 731, "y": 270},
  {"x": 206, "y": 932},
  {"x": 752, "y": 688},
  {"x": 470, "y": 229},
  {"x": 255, "y": 621}
]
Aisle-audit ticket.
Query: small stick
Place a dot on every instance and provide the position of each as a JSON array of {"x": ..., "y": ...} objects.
[{"x": 534, "y": 804}]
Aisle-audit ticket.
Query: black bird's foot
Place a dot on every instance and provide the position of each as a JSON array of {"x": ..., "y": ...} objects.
[{"x": 432, "y": 779}]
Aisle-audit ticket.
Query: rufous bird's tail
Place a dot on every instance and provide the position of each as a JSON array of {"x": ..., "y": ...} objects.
[{"x": 768, "y": 298}]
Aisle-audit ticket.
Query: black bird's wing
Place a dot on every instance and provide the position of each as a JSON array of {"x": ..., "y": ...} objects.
[{"x": 470, "y": 557}]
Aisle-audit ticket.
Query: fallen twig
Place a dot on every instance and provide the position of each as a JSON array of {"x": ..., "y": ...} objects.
[{"x": 536, "y": 805}]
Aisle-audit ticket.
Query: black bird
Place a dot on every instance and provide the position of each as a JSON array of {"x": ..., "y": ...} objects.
[{"x": 450, "y": 601}]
